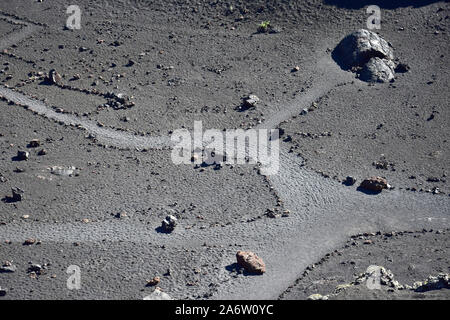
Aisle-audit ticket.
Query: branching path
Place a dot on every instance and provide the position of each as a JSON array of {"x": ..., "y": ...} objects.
[{"x": 324, "y": 213}]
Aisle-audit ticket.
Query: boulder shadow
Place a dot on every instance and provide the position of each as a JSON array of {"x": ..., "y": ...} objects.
[
  {"x": 17, "y": 158},
  {"x": 160, "y": 229},
  {"x": 368, "y": 192},
  {"x": 46, "y": 82},
  {"x": 236, "y": 268},
  {"x": 9, "y": 199}
]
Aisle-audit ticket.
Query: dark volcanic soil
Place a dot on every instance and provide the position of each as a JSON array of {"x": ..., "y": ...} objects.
[{"x": 185, "y": 61}]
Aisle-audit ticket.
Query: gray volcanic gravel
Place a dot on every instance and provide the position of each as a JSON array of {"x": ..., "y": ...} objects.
[{"x": 182, "y": 61}]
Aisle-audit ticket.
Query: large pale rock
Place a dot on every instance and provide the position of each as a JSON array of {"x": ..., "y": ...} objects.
[
  {"x": 158, "y": 295},
  {"x": 356, "y": 49},
  {"x": 377, "y": 70}
]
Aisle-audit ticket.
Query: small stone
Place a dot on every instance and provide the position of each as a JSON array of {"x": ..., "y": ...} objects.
[
  {"x": 295, "y": 69},
  {"x": 23, "y": 155},
  {"x": 169, "y": 223},
  {"x": 251, "y": 101},
  {"x": 250, "y": 262},
  {"x": 3, "y": 292},
  {"x": 121, "y": 215},
  {"x": 34, "y": 143},
  {"x": 376, "y": 184},
  {"x": 54, "y": 77},
  {"x": 304, "y": 112},
  {"x": 17, "y": 194},
  {"x": 286, "y": 213},
  {"x": 8, "y": 267},
  {"x": 37, "y": 268},
  {"x": 42, "y": 152},
  {"x": 153, "y": 282},
  {"x": 29, "y": 242},
  {"x": 349, "y": 181}
]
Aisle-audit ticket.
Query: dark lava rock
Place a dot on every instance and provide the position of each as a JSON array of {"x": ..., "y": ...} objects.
[
  {"x": 121, "y": 215},
  {"x": 23, "y": 155},
  {"x": 54, "y": 77},
  {"x": 37, "y": 268},
  {"x": 8, "y": 267},
  {"x": 153, "y": 282},
  {"x": 366, "y": 53},
  {"x": 250, "y": 262},
  {"x": 34, "y": 143},
  {"x": 169, "y": 223},
  {"x": 376, "y": 184},
  {"x": 29, "y": 242},
  {"x": 17, "y": 194},
  {"x": 349, "y": 181},
  {"x": 356, "y": 49},
  {"x": 249, "y": 102}
]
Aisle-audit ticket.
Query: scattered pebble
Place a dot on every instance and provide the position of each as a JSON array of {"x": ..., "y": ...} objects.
[
  {"x": 29, "y": 242},
  {"x": 17, "y": 194},
  {"x": 349, "y": 181},
  {"x": 153, "y": 282},
  {"x": 34, "y": 143}
]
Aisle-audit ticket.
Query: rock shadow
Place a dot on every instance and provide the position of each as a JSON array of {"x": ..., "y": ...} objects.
[
  {"x": 368, "y": 192},
  {"x": 236, "y": 268}
]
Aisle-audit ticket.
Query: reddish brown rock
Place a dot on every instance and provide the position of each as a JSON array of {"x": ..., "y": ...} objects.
[
  {"x": 375, "y": 184},
  {"x": 250, "y": 262}
]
